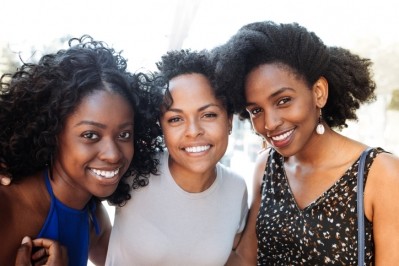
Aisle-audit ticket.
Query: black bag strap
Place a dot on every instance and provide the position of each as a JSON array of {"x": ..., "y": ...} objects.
[{"x": 360, "y": 207}]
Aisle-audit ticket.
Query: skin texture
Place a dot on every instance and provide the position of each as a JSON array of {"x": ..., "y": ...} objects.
[
  {"x": 56, "y": 255},
  {"x": 280, "y": 102},
  {"x": 284, "y": 108},
  {"x": 196, "y": 129},
  {"x": 97, "y": 135}
]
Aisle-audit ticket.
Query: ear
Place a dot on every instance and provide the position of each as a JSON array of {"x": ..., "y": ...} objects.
[{"x": 320, "y": 90}]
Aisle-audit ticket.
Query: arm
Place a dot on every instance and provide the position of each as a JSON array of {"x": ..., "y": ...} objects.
[
  {"x": 246, "y": 251},
  {"x": 99, "y": 243},
  {"x": 382, "y": 207}
]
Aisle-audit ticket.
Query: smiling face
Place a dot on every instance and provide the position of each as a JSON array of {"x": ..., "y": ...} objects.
[
  {"x": 196, "y": 126},
  {"x": 95, "y": 148},
  {"x": 282, "y": 107}
]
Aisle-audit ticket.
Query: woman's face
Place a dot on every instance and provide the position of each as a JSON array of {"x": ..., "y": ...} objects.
[
  {"x": 95, "y": 147},
  {"x": 196, "y": 127},
  {"x": 282, "y": 108}
]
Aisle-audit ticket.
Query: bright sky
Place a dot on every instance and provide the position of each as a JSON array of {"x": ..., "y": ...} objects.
[{"x": 143, "y": 29}]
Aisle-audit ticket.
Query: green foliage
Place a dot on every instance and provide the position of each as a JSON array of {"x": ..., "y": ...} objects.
[{"x": 394, "y": 104}]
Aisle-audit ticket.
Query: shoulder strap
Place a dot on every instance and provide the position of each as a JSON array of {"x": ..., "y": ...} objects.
[{"x": 360, "y": 207}]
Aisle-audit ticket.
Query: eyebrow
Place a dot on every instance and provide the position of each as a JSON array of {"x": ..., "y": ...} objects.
[
  {"x": 202, "y": 108},
  {"x": 274, "y": 94},
  {"x": 96, "y": 124}
]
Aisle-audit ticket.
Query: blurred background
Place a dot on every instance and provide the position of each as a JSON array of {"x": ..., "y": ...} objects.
[{"x": 146, "y": 29}]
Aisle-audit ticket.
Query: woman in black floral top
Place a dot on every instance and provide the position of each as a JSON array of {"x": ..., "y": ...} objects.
[{"x": 296, "y": 90}]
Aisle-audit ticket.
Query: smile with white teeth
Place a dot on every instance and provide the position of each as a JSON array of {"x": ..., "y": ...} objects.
[
  {"x": 197, "y": 148},
  {"x": 105, "y": 174},
  {"x": 282, "y": 136}
]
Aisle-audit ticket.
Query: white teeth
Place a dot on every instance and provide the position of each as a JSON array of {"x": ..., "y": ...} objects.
[
  {"x": 105, "y": 174},
  {"x": 282, "y": 136},
  {"x": 197, "y": 149}
]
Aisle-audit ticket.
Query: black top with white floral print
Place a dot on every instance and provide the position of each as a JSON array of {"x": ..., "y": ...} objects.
[{"x": 323, "y": 233}]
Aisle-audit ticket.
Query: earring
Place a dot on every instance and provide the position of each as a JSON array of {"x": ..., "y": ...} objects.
[{"x": 320, "y": 127}]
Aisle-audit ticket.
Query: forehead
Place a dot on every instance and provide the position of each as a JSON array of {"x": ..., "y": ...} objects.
[
  {"x": 189, "y": 87},
  {"x": 103, "y": 103},
  {"x": 270, "y": 77}
]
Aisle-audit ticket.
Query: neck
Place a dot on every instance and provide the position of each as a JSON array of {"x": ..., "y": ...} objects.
[
  {"x": 67, "y": 192},
  {"x": 192, "y": 182},
  {"x": 324, "y": 150}
]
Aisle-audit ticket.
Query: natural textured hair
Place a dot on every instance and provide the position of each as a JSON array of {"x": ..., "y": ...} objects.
[
  {"x": 36, "y": 100},
  {"x": 302, "y": 52},
  {"x": 180, "y": 62}
]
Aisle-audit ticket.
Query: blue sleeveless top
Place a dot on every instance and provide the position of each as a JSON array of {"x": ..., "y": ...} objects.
[{"x": 70, "y": 227}]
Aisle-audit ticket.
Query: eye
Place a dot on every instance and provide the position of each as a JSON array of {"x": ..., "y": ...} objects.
[
  {"x": 174, "y": 120},
  {"x": 210, "y": 115},
  {"x": 283, "y": 100},
  {"x": 254, "y": 111},
  {"x": 90, "y": 136},
  {"x": 126, "y": 135}
]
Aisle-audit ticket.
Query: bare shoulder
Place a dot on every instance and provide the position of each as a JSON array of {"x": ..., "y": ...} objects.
[
  {"x": 382, "y": 208},
  {"x": 8, "y": 223},
  {"x": 8, "y": 201},
  {"x": 260, "y": 164},
  {"x": 99, "y": 242},
  {"x": 385, "y": 168},
  {"x": 382, "y": 186}
]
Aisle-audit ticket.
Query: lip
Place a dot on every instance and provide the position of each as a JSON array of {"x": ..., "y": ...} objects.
[
  {"x": 196, "y": 148},
  {"x": 281, "y": 139},
  {"x": 108, "y": 176}
]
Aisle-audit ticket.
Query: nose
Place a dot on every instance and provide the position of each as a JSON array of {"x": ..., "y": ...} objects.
[
  {"x": 272, "y": 121},
  {"x": 194, "y": 128},
  {"x": 110, "y": 151}
]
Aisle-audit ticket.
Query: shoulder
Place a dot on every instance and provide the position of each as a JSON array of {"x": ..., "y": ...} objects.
[
  {"x": 263, "y": 155},
  {"x": 11, "y": 197},
  {"x": 260, "y": 164},
  {"x": 232, "y": 182},
  {"x": 382, "y": 182},
  {"x": 6, "y": 203},
  {"x": 385, "y": 168},
  {"x": 230, "y": 173}
]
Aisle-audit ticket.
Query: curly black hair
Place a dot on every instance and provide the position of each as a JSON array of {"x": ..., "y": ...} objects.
[
  {"x": 147, "y": 137},
  {"x": 36, "y": 100},
  {"x": 303, "y": 52},
  {"x": 186, "y": 61}
]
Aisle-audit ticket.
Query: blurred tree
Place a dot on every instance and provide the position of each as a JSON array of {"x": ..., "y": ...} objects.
[
  {"x": 394, "y": 104},
  {"x": 9, "y": 60}
]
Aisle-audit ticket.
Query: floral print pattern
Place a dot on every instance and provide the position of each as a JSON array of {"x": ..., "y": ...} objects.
[{"x": 323, "y": 233}]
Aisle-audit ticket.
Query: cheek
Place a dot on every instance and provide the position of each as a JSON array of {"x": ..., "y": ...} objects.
[
  {"x": 257, "y": 125},
  {"x": 129, "y": 151},
  {"x": 167, "y": 136},
  {"x": 220, "y": 131},
  {"x": 74, "y": 155},
  {"x": 302, "y": 113}
]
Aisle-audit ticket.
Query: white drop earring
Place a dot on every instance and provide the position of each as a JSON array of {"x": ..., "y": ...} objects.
[{"x": 320, "y": 127}]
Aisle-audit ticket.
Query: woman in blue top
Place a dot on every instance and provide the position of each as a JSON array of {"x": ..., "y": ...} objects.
[{"x": 70, "y": 126}]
